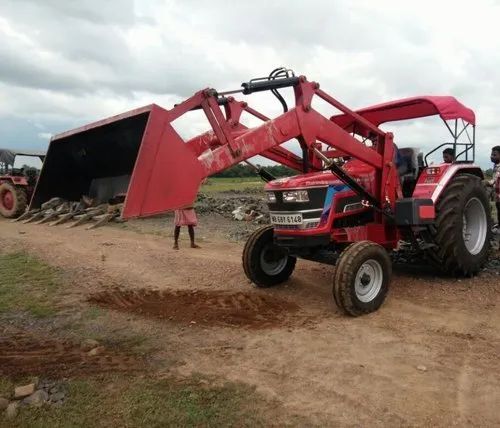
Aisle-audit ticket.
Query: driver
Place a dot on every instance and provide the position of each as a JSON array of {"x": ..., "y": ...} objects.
[{"x": 448, "y": 155}]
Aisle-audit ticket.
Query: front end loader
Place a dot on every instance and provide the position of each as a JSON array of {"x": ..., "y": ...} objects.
[{"x": 357, "y": 198}]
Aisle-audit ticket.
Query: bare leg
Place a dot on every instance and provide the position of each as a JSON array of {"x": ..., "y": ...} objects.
[
  {"x": 177, "y": 232},
  {"x": 191, "y": 236}
]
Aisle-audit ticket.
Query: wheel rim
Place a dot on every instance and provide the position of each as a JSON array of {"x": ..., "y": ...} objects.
[
  {"x": 273, "y": 260},
  {"x": 475, "y": 226},
  {"x": 7, "y": 199},
  {"x": 369, "y": 281}
]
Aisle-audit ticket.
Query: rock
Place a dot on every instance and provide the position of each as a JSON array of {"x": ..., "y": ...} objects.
[
  {"x": 251, "y": 215},
  {"x": 4, "y": 403},
  {"x": 422, "y": 368},
  {"x": 12, "y": 410},
  {"x": 58, "y": 396},
  {"x": 54, "y": 389},
  {"x": 96, "y": 351},
  {"x": 90, "y": 344},
  {"x": 37, "y": 398},
  {"x": 259, "y": 218},
  {"x": 46, "y": 385},
  {"x": 24, "y": 391},
  {"x": 239, "y": 213}
]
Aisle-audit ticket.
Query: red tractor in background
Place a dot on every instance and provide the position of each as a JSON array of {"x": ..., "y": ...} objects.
[
  {"x": 16, "y": 184},
  {"x": 357, "y": 198}
]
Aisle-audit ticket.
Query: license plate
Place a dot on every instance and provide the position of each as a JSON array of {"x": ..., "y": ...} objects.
[{"x": 288, "y": 219}]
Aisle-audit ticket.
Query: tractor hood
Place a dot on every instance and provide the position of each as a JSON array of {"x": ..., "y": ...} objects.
[{"x": 364, "y": 173}]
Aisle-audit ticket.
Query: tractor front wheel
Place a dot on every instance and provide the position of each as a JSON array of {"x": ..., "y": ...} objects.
[
  {"x": 265, "y": 263},
  {"x": 13, "y": 200},
  {"x": 362, "y": 276}
]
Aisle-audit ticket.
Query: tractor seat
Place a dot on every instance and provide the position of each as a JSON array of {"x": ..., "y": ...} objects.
[
  {"x": 409, "y": 161},
  {"x": 408, "y": 169}
]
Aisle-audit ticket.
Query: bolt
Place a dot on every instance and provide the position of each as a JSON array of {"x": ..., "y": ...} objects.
[
  {"x": 307, "y": 107},
  {"x": 365, "y": 279},
  {"x": 316, "y": 85}
]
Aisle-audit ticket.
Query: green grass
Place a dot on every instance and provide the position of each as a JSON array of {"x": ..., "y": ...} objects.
[
  {"x": 27, "y": 285},
  {"x": 148, "y": 402},
  {"x": 216, "y": 184},
  {"x": 92, "y": 312},
  {"x": 6, "y": 387},
  {"x": 126, "y": 400}
]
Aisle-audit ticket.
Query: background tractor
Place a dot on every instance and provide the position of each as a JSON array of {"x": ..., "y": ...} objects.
[
  {"x": 16, "y": 184},
  {"x": 357, "y": 198}
]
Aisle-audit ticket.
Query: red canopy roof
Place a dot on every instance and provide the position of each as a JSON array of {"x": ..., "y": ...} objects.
[{"x": 410, "y": 108}]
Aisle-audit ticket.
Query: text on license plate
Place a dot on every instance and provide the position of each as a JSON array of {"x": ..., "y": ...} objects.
[{"x": 286, "y": 219}]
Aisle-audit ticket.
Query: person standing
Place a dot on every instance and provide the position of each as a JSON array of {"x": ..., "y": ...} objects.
[
  {"x": 185, "y": 217},
  {"x": 495, "y": 182}
]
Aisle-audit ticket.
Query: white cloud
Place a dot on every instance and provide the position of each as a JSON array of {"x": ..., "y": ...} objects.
[{"x": 45, "y": 135}]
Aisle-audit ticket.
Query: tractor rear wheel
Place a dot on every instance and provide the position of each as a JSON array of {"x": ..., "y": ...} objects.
[
  {"x": 13, "y": 200},
  {"x": 462, "y": 230},
  {"x": 265, "y": 263},
  {"x": 362, "y": 276}
]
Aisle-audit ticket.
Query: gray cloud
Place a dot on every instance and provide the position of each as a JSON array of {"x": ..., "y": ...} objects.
[{"x": 63, "y": 63}]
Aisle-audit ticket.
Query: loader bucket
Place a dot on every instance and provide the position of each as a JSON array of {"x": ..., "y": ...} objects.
[{"x": 137, "y": 153}]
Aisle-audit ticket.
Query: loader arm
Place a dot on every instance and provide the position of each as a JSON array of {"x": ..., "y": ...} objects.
[{"x": 165, "y": 172}]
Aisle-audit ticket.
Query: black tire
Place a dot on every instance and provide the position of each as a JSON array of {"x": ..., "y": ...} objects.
[
  {"x": 451, "y": 254},
  {"x": 260, "y": 245},
  {"x": 358, "y": 299},
  {"x": 18, "y": 197}
]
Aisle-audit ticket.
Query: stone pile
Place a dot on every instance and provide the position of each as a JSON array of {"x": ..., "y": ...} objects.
[
  {"x": 249, "y": 208},
  {"x": 36, "y": 394}
]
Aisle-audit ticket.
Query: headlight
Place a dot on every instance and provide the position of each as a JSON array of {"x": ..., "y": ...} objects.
[
  {"x": 296, "y": 196},
  {"x": 271, "y": 197}
]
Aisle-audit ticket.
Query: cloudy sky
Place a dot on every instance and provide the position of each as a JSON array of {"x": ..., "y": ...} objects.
[{"x": 64, "y": 63}]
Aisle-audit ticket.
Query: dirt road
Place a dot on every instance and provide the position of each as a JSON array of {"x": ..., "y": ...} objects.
[{"x": 428, "y": 357}]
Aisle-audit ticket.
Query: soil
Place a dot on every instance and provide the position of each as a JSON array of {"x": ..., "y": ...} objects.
[
  {"x": 200, "y": 307},
  {"x": 427, "y": 357},
  {"x": 22, "y": 353}
]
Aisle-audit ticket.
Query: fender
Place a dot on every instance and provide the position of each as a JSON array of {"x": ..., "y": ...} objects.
[{"x": 435, "y": 178}]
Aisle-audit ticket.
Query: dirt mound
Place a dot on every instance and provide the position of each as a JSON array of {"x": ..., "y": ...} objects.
[
  {"x": 201, "y": 307},
  {"x": 22, "y": 353}
]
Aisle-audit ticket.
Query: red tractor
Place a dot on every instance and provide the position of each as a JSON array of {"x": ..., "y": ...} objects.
[
  {"x": 16, "y": 184},
  {"x": 358, "y": 197}
]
